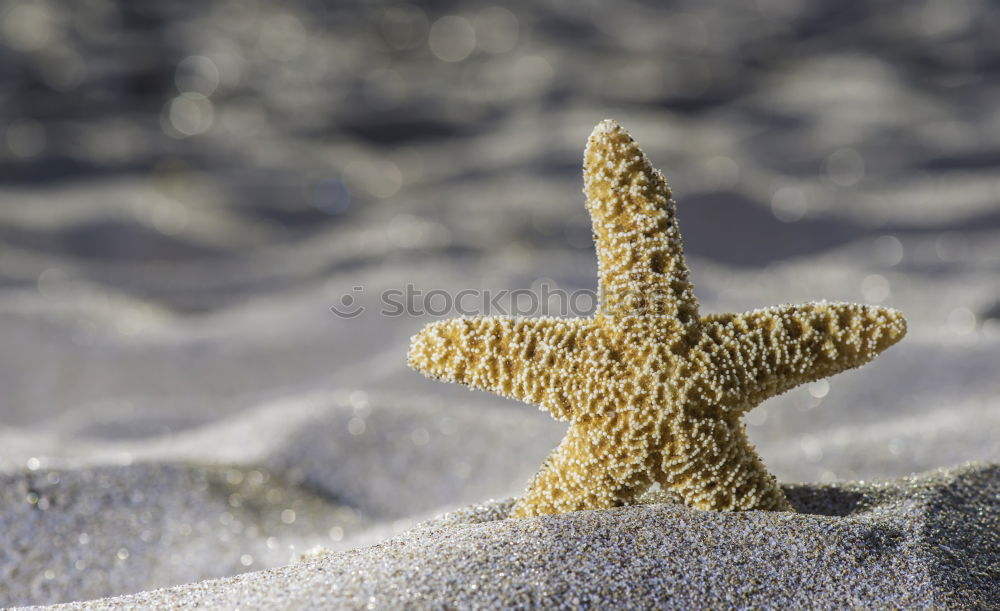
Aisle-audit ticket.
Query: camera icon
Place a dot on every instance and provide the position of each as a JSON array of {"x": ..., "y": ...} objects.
[{"x": 349, "y": 307}]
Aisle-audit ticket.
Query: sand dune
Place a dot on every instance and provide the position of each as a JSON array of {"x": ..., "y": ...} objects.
[{"x": 908, "y": 542}]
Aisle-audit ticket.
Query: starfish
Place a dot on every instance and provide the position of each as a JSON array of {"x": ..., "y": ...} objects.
[{"x": 654, "y": 390}]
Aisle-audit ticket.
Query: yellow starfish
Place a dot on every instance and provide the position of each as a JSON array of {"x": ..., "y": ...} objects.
[{"x": 654, "y": 391}]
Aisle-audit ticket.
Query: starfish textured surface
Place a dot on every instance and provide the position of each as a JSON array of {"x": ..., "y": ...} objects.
[{"x": 654, "y": 390}]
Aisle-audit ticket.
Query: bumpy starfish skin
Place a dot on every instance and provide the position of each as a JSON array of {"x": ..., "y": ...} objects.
[{"x": 654, "y": 391}]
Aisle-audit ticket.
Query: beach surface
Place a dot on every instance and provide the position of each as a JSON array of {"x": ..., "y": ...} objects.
[{"x": 928, "y": 540}]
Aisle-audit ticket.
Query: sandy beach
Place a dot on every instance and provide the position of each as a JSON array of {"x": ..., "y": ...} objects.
[{"x": 904, "y": 543}]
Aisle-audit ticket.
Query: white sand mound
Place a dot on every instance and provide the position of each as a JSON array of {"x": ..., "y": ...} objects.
[
  {"x": 928, "y": 540},
  {"x": 97, "y": 518}
]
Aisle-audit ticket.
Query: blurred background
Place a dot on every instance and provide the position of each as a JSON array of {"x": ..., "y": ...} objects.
[{"x": 187, "y": 188}]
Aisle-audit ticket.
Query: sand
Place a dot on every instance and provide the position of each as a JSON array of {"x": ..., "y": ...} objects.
[
  {"x": 179, "y": 403},
  {"x": 931, "y": 540},
  {"x": 135, "y": 517}
]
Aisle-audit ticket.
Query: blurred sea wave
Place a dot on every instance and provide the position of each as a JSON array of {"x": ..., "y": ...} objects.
[{"x": 164, "y": 163}]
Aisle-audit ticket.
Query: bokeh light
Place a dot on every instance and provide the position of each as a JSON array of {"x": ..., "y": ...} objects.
[
  {"x": 452, "y": 38},
  {"x": 197, "y": 75}
]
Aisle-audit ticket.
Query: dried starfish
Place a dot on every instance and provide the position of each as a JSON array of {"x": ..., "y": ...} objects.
[{"x": 654, "y": 391}]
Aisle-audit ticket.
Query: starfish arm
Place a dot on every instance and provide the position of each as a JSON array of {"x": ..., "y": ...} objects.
[
  {"x": 597, "y": 465},
  {"x": 541, "y": 361},
  {"x": 756, "y": 355},
  {"x": 640, "y": 255},
  {"x": 711, "y": 464}
]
